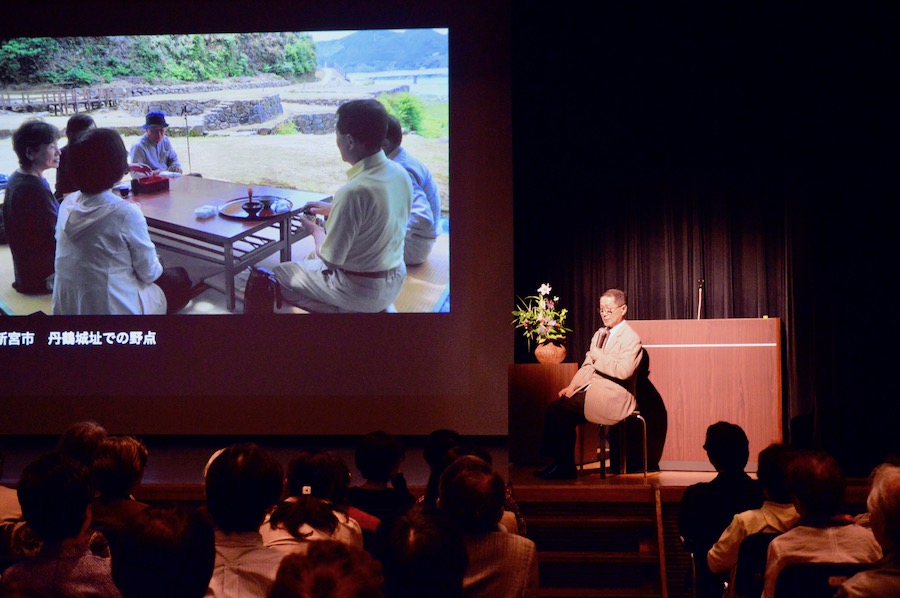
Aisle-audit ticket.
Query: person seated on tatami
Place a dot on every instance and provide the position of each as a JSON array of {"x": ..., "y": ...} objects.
[
  {"x": 75, "y": 126},
  {"x": 105, "y": 261},
  {"x": 29, "y": 210},
  {"x": 153, "y": 152},
  {"x": 425, "y": 215},
  {"x": 358, "y": 264}
]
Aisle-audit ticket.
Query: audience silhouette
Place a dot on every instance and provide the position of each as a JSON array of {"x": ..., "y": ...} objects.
[
  {"x": 308, "y": 514},
  {"x": 243, "y": 482},
  {"x": 500, "y": 564},
  {"x": 708, "y": 507},
  {"x": 119, "y": 464},
  {"x": 454, "y": 542},
  {"x": 884, "y": 517},
  {"x": 823, "y": 533},
  {"x": 776, "y": 515},
  {"x": 55, "y": 494},
  {"x": 165, "y": 551}
]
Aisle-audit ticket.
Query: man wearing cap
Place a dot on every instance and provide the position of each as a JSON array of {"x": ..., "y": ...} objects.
[{"x": 154, "y": 149}]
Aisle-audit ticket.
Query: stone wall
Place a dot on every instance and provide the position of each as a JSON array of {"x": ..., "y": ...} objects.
[
  {"x": 146, "y": 90},
  {"x": 308, "y": 124},
  {"x": 243, "y": 112},
  {"x": 332, "y": 101},
  {"x": 172, "y": 108}
]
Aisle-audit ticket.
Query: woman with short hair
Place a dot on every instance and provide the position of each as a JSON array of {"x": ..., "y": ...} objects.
[
  {"x": 29, "y": 208},
  {"x": 105, "y": 260}
]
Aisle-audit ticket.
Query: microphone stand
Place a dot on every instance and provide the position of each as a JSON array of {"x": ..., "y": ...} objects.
[
  {"x": 699, "y": 297},
  {"x": 187, "y": 135}
]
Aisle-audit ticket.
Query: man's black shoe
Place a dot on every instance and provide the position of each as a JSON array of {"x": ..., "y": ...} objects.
[{"x": 556, "y": 471}]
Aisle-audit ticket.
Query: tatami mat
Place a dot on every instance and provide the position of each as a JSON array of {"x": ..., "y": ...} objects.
[
  {"x": 427, "y": 284},
  {"x": 426, "y": 288},
  {"x": 12, "y": 302}
]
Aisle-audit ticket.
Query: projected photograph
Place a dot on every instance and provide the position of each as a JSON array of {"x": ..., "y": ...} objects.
[{"x": 240, "y": 191}]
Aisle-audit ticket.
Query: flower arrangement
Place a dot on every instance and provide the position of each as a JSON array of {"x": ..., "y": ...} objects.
[{"x": 540, "y": 318}]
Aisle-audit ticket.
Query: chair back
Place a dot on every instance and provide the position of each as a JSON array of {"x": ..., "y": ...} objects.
[
  {"x": 815, "y": 579},
  {"x": 751, "y": 564}
]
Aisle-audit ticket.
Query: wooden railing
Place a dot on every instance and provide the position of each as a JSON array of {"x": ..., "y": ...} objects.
[{"x": 60, "y": 101}]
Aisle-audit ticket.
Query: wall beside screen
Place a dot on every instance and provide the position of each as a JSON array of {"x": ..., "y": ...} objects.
[{"x": 339, "y": 374}]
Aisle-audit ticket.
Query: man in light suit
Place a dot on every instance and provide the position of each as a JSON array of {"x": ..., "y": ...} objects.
[{"x": 602, "y": 391}]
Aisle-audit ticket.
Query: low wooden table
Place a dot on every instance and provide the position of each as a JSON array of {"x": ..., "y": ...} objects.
[{"x": 232, "y": 243}]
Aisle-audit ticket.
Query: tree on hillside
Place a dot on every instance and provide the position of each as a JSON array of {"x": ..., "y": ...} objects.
[
  {"x": 23, "y": 60},
  {"x": 194, "y": 57}
]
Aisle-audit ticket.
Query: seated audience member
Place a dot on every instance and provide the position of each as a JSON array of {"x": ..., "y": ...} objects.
[
  {"x": 707, "y": 508},
  {"x": 30, "y": 210},
  {"x": 105, "y": 260},
  {"x": 55, "y": 493},
  {"x": 358, "y": 266},
  {"x": 500, "y": 563},
  {"x": 777, "y": 514},
  {"x": 423, "y": 555},
  {"x": 78, "y": 442},
  {"x": 307, "y": 514},
  {"x": 81, "y": 440},
  {"x": 384, "y": 493},
  {"x": 330, "y": 569},
  {"x": 884, "y": 517},
  {"x": 444, "y": 446},
  {"x": 512, "y": 519},
  {"x": 75, "y": 126},
  {"x": 823, "y": 533},
  {"x": 340, "y": 486},
  {"x": 435, "y": 450},
  {"x": 165, "y": 552},
  {"x": 10, "y": 510},
  {"x": 154, "y": 150},
  {"x": 242, "y": 482},
  {"x": 118, "y": 468},
  {"x": 425, "y": 215}
]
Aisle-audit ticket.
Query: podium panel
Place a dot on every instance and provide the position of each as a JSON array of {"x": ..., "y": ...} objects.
[
  {"x": 714, "y": 370},
  {"x": 532, "y": 386}
]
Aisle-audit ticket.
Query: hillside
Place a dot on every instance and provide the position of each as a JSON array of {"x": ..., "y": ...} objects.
[{"x": 385, "y": 50}]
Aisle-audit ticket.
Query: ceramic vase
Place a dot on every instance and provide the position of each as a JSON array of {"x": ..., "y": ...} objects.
[{"x": 550, "y": 352}]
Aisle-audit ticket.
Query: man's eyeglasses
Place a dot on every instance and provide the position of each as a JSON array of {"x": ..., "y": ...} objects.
[{"x": 605, "y": 311}]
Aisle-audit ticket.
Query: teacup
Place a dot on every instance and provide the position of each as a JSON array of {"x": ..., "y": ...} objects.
[{"x": 252, "y": 207}]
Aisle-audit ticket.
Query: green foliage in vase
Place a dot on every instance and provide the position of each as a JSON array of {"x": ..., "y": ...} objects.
[{"x": 540, "y": 318}]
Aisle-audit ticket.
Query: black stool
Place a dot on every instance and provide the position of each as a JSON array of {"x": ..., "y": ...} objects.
[{"x": 622, "y": 444}]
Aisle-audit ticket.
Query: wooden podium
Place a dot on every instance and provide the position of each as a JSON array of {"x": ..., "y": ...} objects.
[
  {"x": 532, "y": 387},
  {"x": 714, "y": 370},
  {"x": 704, "y": 371}
]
